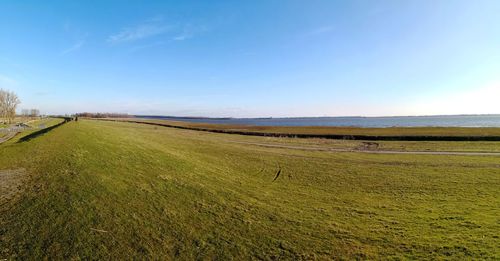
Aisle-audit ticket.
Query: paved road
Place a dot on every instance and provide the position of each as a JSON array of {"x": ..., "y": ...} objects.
[{"x": 370, "y": 151}]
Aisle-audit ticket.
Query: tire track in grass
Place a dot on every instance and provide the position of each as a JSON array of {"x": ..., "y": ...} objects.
[{"x": 369, "y": 151}]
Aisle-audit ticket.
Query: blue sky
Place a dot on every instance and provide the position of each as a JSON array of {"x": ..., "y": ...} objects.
[{"x": 253, "y": 58}]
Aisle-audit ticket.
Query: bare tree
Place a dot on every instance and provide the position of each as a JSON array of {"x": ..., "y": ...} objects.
[
  {"x": 8, "y": 105},
  {"x": 34, "y": 113},
  {"x": 3, "y": 111},
  {"x": 25, "y": 113}
]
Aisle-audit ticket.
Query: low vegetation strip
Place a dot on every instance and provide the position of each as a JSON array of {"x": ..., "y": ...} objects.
[{"x": 387, "y": 134}]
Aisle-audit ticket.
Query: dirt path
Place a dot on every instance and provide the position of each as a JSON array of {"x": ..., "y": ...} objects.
[
  {"x": 369, "y": 151},
  {"x": 9, "y": 136}
]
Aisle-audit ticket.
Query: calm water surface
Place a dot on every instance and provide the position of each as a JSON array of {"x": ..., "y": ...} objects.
[{"x": 414, "y": 121}]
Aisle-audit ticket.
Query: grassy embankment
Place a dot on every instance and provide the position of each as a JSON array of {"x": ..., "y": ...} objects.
[{"x": 121, "y": 190}]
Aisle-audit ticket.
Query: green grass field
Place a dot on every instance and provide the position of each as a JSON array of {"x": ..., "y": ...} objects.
[{"x": 109, "y": 190}]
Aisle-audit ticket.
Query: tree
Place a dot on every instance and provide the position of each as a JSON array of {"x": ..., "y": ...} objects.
[
  {"x": 8, "y": 105},
  {"x": 34, "y": 113},
  {"x": 3, "y": 113},
  {"x": 25, "y": 112}
]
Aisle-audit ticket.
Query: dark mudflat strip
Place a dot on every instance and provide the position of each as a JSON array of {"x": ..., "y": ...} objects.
[{"x": 323, "y": 136}]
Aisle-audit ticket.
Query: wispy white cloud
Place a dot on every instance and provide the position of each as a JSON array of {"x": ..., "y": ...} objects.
[
  {"x": 182, "y": 37},
  {"x": 189, "y": 31},
  {"x": 79, "y": 38},
  {"x": 145, "y": 46},
  {"x": 156, "y": 26},
  {"x": 74, "y": 47},
  {"x": 145, "y": 30}
]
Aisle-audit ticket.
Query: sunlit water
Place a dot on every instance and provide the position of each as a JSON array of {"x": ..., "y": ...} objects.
[{"x": 414, "y": 121}]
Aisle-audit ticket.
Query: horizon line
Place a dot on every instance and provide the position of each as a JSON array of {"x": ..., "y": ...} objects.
[{"x": 298, "y": 117}]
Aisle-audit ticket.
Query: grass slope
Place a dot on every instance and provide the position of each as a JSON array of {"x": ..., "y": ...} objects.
[{"x": 123, "y": 190}]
